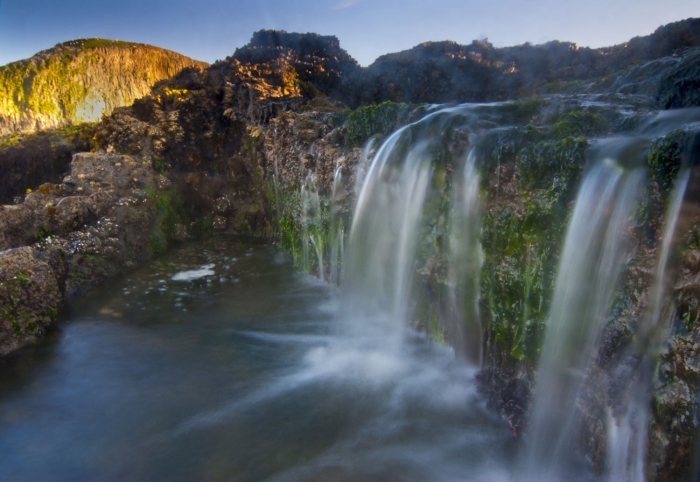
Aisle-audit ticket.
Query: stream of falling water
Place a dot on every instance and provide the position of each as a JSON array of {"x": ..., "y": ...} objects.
[
  {"x": 395, "y": 189},
  {"x": 465, "y": 262},
  {"x": 384, "y": 249},
  {"x": 628, "y": 423},
  {"x": 593, "y": 255},
  {"x": 337, "y": 230}
]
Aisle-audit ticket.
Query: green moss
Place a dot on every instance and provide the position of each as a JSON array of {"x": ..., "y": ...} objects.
[
  {"x": 383, "y": 119},
  {"x": 169, "y": 210},
  {"x": 665, "y": 159},
  {"x": 552, "y": 164},
  {"x": 522, "y": 239},
  {"x": 579, "y": 124},
  {"x": 24, "y": 279},
  {"x": 501, "y": 146},
  {"x": 435, "y": 329},
  {"x": 295, "y": 230},
  {"x": 521, "y": 111},
  {"x": 571, "y": 87},
  {"x": 694, "y": 240}
]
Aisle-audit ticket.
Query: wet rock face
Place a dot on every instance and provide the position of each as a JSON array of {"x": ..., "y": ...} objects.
[
  {"x": 300, "y": 145},
  {"x": 676, "y": 392},
  {"x": 681, "y": 86},
  {"x": 30, "y": 293}
]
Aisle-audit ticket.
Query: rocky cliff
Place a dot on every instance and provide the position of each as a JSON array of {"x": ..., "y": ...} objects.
[{"x": 79, "y": 81}]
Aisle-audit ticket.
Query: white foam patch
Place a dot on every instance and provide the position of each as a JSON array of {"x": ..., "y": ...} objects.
[{"x": 202, "y": 272}]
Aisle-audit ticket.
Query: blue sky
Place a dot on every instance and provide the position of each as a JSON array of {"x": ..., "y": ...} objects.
[{"x": 212, "y": 29}]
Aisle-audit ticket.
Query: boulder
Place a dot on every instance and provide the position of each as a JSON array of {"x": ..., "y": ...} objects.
[{"x": 30, "y": 294}]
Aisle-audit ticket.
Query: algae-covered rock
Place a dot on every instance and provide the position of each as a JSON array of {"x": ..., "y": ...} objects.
[
  {"x": 382, "y": 119},
  {"x": 31, "y": 292},
  {"x": 665, "y": 159}
]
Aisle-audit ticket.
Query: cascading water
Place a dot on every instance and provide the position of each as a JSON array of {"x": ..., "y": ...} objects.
[
  {"x": 414, "y": 241},
  {"x": 384, "y": 234},
  {"x": 465, "y": 261},
  {"x": 311, "y": 220},
  {"x": 387, "y": 242},
  {"x": 629, "y": 417},
  {"x": 594, "y": 252},
  {"x": 592, "y": 258},
  {"x": 337, "y": 230}
]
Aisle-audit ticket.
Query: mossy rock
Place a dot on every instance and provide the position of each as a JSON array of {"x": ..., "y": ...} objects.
[
  {"x": 383, "y": 119},
  {"x": 665, "y": 159},
  {"x": 579, "y": 124}
]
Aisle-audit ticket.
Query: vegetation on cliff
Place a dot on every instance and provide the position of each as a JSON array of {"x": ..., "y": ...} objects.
[{"x": 79, "y": 81}]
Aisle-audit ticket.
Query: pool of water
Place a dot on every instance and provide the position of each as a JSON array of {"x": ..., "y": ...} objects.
[{"x": 219, "y": 361}]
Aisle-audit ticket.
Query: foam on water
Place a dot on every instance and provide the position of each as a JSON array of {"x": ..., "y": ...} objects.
[{"x": 194, "y": 274}]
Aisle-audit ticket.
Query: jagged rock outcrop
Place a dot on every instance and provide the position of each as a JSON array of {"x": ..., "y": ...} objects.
[
  {"x": 79, "y": 81},
  {"x": 680, "y": 87},
  {"x": 438, "y": 72},
  {"x": 210, "y": 125},
  {"x": 315, "y": 61}
]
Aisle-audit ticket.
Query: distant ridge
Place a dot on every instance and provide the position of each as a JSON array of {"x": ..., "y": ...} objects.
[
  {"x": 661, "y": 65},
  {"x": 438, "y": 72},
  {"x": 80, "y": 80}
]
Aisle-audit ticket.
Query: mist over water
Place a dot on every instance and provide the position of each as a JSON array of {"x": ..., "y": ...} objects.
[{"x": 238, "y": 375}]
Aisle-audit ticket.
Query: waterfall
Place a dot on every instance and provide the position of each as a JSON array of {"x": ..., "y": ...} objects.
[
  {"x": 594, "y": 252},
  {"x": 408, "y": 200},
  {"x": 337, "y": 229},
  {"x": 592, "y": 258},
  {"x": 312, "y": 241},
  {"x": 384, "y": 235},
  {"x": 628, "y": 419},
  {"x": 465, "y": 262}
]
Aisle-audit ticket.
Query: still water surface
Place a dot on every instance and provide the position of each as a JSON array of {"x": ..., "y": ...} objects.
[{"x": 219, "y": 361}]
